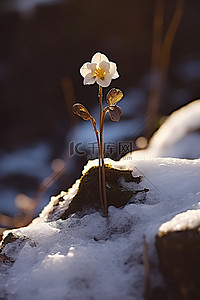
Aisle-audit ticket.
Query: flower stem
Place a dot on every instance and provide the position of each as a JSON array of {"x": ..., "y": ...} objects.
[
  {"x": 101, "y": 160},
  {"x": 100, "y": 178}
]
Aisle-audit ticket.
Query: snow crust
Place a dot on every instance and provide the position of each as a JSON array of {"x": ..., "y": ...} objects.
[
  {"x": 184, "y": 221},
  {"x": 97, "y": 258},
  {"x": 180, "y": 123}
]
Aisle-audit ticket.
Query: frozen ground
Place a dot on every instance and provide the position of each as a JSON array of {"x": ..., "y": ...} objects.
[{"x": 98, "y": 258}]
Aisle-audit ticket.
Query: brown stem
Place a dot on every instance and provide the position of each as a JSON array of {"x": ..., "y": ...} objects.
[
  {"x": 102, "y": 167},
  {"x": 154, "y": 99},
  {"x": 146, "y": 269},
  {"x": 161, "y": 53},
  {"x": 99, "y": 147},
  {"x": 170, "y": 35}
]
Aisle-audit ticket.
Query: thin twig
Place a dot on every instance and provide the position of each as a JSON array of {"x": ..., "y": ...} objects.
[
  {"x": 170, "y": 35},
  {"x": 146, "y": 268},
  {"x": 157, "y": 34},
  {"x": 161, "y": 53},
  {"x": 153, "y": 101}
]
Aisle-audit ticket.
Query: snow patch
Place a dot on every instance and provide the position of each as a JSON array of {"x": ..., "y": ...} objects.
[
  {"x": 179, "y": 136},
  {"x": 184, "y": 221},
  {"x": 102, "y": 258}
]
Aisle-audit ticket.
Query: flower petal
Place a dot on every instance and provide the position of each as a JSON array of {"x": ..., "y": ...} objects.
[
  {"x": 89, "y": 79},
  {"x": 92, "y": 67},
  {"x": 113, "y": 70},
  {"x": 98, "y": 58},
  {"x": 84, "y": 69},
  {"x": 105, "y": 66},
  {"x": 116, "y": 75},
  {"x": 106, "y": 81}
]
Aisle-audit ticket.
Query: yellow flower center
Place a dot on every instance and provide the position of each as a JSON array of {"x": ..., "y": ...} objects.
[{"x": 100, "y": 73}]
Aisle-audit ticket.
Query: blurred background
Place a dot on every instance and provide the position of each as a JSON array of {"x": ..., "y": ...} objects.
[{"x": 156, "y": 45}]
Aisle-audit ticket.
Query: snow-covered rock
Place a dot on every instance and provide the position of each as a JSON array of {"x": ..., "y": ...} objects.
[
  {"x": 121, "y": 188},
  {"x": 178, "y": 243},
  {"x": 93, "y": 257},
  {"x": 178, "y": 136}
]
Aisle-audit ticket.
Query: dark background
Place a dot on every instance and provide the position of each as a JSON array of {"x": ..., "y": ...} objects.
[{"x": 42, "y": 50}]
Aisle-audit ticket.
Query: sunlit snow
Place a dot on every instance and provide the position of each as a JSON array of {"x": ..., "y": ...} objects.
[
  {"x": 179, "y": 136},
  {"x": 97, "y": 258}
]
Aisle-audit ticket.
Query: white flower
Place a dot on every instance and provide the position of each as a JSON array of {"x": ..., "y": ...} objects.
[{"x": 100, "y": 70}]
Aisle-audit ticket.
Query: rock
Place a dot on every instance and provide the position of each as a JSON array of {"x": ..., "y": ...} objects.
[
  {"x": 178, "y": 245},
  {"x": 9, "y": 246},
  {"x": 121, "y": 188}
]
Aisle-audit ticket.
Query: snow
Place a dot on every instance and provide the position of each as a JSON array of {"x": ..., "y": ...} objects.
[
  {"x": 97, "y": 258},
  {"x": 184, "y": 221},
  {"x": 27, "y": 161},
  {"x": 63, "y": 205},
  {"x": 179, "y": 136}
]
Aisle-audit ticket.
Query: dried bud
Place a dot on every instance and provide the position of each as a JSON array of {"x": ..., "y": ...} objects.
[
  {"x": 115, "y": 113},
  {"x": 114, "y": 96},
  {"x": 81, "y": 111}
]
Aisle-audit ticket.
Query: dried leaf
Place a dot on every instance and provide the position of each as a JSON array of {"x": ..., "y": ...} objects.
[
  {"x": 114, "y": 96},
  {"x": 115, "y": 112},
  {"x": 81, "y": 111}
]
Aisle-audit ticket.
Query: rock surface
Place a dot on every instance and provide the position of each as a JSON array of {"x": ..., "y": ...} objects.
[
  {"x": 178, "y": 244},
  {"x": 121, "y": 188}
]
